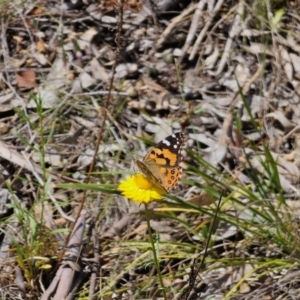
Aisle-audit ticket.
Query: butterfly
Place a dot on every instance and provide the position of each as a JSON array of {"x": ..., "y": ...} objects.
[{"x": 161, "y": 165}]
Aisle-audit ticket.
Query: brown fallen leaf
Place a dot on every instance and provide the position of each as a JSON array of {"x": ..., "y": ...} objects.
[
  {"x": 4, "y": 127},
  {"x": 18, "y": 39},
  {"x": 201, "y": 200},
  {"x": 26, "y": 79},
  {"x": 40, "y": 46},
  {"x": 36, "y": 11},
  {"x": 290, "y": 156}
]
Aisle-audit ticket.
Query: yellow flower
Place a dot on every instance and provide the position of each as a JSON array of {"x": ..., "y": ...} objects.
[{"x": 140, "y": 189}]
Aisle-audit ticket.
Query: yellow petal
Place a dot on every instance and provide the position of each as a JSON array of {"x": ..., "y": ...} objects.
[{"x": 140, "y": 189}]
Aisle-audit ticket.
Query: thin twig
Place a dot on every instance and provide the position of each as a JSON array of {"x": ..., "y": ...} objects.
[
  {"x": 212, "y": 13},
  {"x": 167, "y": 32},
  {"x": 104, "y": 116},
  {"x": 193, "y": 28}
]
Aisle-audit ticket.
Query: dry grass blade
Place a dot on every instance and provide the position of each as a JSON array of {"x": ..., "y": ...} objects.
[{"x": 195, "y": 270}]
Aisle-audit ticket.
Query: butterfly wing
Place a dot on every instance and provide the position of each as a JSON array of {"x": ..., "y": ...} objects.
[{"x": 162, "y": 163}]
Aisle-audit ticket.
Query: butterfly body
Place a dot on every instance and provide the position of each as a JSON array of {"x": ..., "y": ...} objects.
[{"x": 161, "y": 165}]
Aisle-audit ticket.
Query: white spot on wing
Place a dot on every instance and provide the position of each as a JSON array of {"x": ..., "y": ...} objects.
[{"x": 166, "y": 142}]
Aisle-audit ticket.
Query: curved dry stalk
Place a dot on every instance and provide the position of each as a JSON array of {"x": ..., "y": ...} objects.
[{"x": 211, "y": 16}]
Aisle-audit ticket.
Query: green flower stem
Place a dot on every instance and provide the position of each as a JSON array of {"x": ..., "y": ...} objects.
[{"x": 154, "y": 252}]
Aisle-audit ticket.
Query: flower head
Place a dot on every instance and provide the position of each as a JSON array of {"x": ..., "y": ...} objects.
[{"x": 140, "y": 189}]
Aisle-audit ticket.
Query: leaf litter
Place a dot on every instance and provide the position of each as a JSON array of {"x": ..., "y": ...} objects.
[{"x": 224, "y": 72}]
